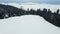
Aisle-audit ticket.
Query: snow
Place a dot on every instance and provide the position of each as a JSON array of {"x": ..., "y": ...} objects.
[
  {"x": 27, "y": 24},
  {"x": 35, "y": 6}
]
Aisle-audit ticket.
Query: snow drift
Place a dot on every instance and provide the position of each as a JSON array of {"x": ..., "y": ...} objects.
[{"x": 28, "y": 24}]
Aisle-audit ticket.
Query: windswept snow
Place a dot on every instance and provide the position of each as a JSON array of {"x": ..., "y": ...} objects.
[
  {"x": 28, "y": 24},
  {"x": 35, "y": 6}
]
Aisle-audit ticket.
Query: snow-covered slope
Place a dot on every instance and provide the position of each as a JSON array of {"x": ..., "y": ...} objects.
[
  {"x": 35, "y": 6},
  {"x": 28, "y": 24}
]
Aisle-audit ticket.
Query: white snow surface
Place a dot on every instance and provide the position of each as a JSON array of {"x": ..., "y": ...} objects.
[
  {"x": 35, "y": 6},
  {"x": 27, "y": 24}
]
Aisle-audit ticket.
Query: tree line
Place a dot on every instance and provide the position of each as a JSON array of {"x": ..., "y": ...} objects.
[{"x": 7, "y": 11}]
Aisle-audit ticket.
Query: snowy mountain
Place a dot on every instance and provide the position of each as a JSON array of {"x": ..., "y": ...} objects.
[
  {"x": 35, "y": 6},
  {"x": 28, "y": 24}
]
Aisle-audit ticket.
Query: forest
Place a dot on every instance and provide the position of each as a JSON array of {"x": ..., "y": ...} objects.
[{"x": 7, "y": 11}]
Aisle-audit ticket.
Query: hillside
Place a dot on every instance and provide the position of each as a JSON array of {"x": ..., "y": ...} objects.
[{"x": 28, "y": 24}]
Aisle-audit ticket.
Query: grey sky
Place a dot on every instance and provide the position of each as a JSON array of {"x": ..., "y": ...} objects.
[{"x": 37, "y": 1}]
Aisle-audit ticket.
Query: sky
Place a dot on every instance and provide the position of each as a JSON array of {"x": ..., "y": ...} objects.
[{"x": 36, "y": 1}]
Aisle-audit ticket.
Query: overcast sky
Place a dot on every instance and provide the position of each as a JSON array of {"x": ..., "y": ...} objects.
[{"x": 37, "y": 1}]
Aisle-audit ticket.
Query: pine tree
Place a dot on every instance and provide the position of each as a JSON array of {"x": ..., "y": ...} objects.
[{"x": 57, "y": 11}]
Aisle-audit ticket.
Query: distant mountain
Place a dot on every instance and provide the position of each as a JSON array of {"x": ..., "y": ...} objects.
[{"x": 35, "y": 6}]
